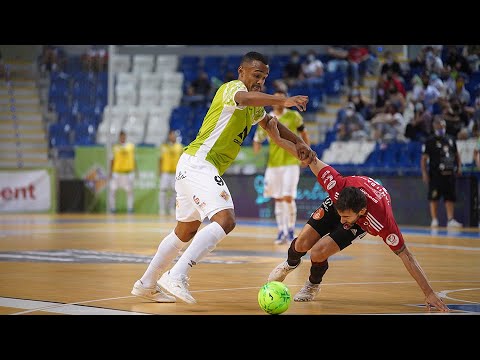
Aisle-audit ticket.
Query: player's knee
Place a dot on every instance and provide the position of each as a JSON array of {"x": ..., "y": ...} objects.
[
  {"x": 226, "y": 219},
  {"x": 302, "y": 244},
  {"x": 319, "y": 254}
]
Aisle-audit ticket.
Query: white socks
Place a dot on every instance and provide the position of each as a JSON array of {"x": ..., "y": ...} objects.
[
  {"x": 291, "y": 209},
  {"x": 203, "y": 243},
  {"x": 167, "y": 251},
  {"x": 280, "y": 215}
]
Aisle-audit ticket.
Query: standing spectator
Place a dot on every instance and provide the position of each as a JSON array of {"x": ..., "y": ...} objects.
[
  {"x": 170, "y": 152},
  {"x": 440, "y": 165},
  {"x": 283, "y": 171},
  {"x": 122, "y": 171}
]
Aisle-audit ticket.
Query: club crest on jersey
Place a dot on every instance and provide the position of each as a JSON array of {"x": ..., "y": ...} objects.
[
  {"x": 392, "y": 239},
  {"x": 318, "y": 214},
  {"x": 225, "y": 195}
]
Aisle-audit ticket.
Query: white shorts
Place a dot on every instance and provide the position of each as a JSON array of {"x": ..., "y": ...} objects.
[
  {"x": 122, "y": 181},
  {"x": 201, "y": 191},
  {"x": 281, "y": 181}
]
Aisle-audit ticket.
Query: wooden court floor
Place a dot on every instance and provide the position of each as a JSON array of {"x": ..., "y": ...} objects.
[{"x": 79, "y": 264}]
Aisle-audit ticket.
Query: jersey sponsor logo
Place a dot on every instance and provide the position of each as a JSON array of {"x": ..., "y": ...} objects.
[
  {"x": 242, "y": 136},
  {"x": 318, "y": 214},
  {"x": 225, "y": 195},
  {"x": 331, "y": 184},
  {"x": 197, "y": 201},
  {"x": 181, "y": 175},
  {"x": 392, "y": 240},
  {"x": 327, "y": 203},
  {"x": 354, "y": 231}
]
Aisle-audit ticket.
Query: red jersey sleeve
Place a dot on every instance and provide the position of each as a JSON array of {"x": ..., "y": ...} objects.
[
  {"x": 391, "y": 234},
  {"x": 331, "y": 181}
]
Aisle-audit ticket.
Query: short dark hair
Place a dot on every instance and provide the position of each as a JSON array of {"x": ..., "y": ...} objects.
[
  {"x": 351, "y": 198},
  {"x": 253, "y": 55}
]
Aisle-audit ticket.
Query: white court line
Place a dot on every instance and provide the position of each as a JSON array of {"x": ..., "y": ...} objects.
[
  {"x": 74, "y": 309},
  {"x": 445, "y": 292},
  {"x": 241, "y": 234},
  {"x": 66, "y": 309}
]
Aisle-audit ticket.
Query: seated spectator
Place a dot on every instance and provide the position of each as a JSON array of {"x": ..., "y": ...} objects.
[
  {"x": 432, "y": 94},
  {"x": 199, "y": 91},
  {"x": 472, "y": 54},
  {"x": 420, "y": 126},
  {"x": 359, "y": 62},
  {"x": 2, "y": 66},
  {"x": 312, "y": 71},
  {"x": 476, "y": 154},
  {"x": 95, "y": 59},
  {"x": 391, "y": 65},
  {"x": 362, "y": 106},
  {"x": 433, "y": 61},
  {"x": 389, "y": 125},
  {"x": 456, "y": 119},
  {"x": 457, "y": 90},
  {"x": 456, "y": 61},
  {"x": 396, "y": 97},
  {"x": 338, "y": 61},
  {"x": 474, "y": 122},
  {"x": 351, "y": 125},
  {"x": 292, "y": 69}
]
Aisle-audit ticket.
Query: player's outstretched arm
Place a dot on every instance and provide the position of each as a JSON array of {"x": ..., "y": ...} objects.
[
  {"x": 416, "y": 271},
  {"x": 257, "y": 98},
  {"x": 272, "y": 128}
]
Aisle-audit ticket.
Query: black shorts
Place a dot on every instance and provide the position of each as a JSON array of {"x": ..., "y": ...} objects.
[
  {"x": 442, "y": 186},
  {"x": 325, "y": 220}
]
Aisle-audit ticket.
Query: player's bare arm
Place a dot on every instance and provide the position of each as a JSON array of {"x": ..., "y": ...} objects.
[
  {"x": 257, "y": 98},
  {"x": 416, "y": 271},
  {"x": 286, "y": 139}
]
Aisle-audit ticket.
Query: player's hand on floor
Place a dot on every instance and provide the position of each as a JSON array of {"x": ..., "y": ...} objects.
[{"x": 433, "y": 300}]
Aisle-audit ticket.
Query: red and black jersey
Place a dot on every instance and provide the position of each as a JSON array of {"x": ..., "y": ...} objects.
[{"x": 379, "y": 219}]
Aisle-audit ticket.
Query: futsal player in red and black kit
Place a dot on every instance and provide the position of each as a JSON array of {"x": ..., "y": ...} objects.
[{"x": 356, "y": 205}]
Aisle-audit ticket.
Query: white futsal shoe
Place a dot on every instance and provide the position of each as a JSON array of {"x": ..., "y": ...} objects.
[
  {"x": 177, "y": 286},
  {"x": 307, "y": 292},
  {"x": 281, "y": 271},
  {"x": 154, "y": 293}
]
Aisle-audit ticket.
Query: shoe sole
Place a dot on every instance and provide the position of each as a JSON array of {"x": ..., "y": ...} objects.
[{"x": 165, "y": 287}]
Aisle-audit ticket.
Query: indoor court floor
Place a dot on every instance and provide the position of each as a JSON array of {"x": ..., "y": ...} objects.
[{"x": 78, "y": 264}]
